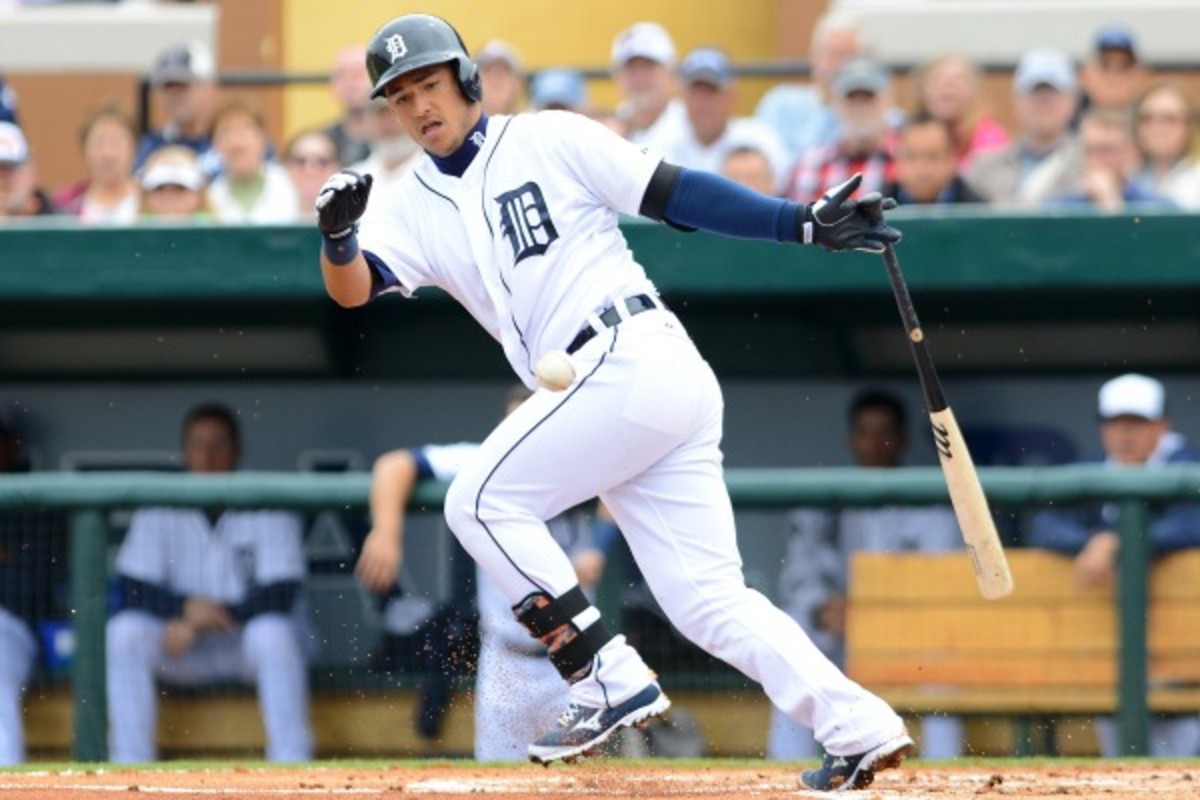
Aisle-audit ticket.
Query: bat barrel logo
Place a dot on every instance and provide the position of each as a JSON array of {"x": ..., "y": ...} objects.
[{"x": 941, "y": 437}]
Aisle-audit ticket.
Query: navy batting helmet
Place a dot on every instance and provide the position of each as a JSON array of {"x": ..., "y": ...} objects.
[{"x": 419, "y": 40}]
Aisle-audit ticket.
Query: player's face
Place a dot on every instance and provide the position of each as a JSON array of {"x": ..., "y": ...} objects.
[
  {"x": 209, "y": 446},
  {"x": 432, "y": 109},
  {"x": 1131, "y": 440}
]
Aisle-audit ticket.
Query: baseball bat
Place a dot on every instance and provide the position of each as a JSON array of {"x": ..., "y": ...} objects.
[{"x": 966, "y": 493}]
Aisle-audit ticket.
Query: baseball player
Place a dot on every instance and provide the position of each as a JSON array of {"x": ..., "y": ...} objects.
[
  {"x": 516, "y": 218},
  {"x": 209, "y": 594},
  {"x": 518, "y": 692}
]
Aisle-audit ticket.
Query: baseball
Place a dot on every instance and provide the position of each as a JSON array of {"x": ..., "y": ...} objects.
[{"x": 555, "y": 370}]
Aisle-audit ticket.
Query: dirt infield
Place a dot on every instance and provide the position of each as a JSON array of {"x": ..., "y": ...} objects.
[{"x": 640, "y": 780}]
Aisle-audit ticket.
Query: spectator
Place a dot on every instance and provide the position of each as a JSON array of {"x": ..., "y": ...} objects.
[
  {"x": 1109, "y": 162},
  {"x": 1113, "y": 77},
  {"x": 310, "y": 157},
  {"x": 1045, "y": 160},
  {"x": 109, "y": 195},
  {"x": 393, "y": 152},
  {"x": 710, "y": 96},
  {"x": 750, "y": 166},
  {"x": 351, "y": 88},
  {"x": 8, "y": 103},
  {"x": 949, "y": 88},
  {"x": 19, "y": 192},
  {"x": 816, "y": 566},
  {"x": 172, "y": 186},
  {"x": 802, "y": 116},
  {"x": 559, "y": 89},
  {"x": 501, "y": 77},
  {"x": 209, "y": 594},
  {"x": 861, "y": 98},
  {"x": 183, "y": 82},
  {"x": 252, "y": 188},
  {"x": 1135, "y": 432},
  {"x": 925, "y": 171},
  {"x": 643, "y": 57},
  {"x": 505, "y": 721},
  {"x": 1168, "y": 140},
  {"x": 32, "y": 570}
]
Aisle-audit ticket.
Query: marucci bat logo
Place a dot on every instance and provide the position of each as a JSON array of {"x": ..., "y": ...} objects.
[{"x": 941, "y": 437}]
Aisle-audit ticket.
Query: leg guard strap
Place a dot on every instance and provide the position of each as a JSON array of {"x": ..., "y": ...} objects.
[
  {"x": 542, "y": 618},
  {"x": 552, "y": 620},
  {"x": 573, "y": 658}
]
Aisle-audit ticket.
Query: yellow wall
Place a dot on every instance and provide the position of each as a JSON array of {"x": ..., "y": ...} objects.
[{"x": 546, "y": 32}]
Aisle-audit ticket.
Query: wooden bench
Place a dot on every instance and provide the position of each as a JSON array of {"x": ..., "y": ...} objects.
[{"x": 919, "y": 634}]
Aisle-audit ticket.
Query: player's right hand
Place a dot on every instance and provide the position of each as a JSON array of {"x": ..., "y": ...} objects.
[
  {"x": 379, "y": 562},
  {"x": 341, "y": 202}
]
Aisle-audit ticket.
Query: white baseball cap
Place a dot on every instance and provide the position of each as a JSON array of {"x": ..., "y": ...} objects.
[
  {"x": 1132, "y": 395},
  {"x": 173, "y": 172},
  {"x": 14, "y": 147},
  {"x": 643, "y": 40}
]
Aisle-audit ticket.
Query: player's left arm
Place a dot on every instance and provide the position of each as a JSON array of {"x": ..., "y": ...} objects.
[{"x": 691, "y": 199}]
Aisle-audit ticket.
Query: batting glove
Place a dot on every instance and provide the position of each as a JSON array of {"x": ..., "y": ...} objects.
[
  {"x": 837, "y": 223},
  {"x": 341, "y": 202}
]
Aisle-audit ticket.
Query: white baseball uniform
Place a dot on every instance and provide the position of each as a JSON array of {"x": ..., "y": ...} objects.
[
  {"x": 527, "y": 240},
  {"x": 518, "y": 692},
  {"x": 184, "y": 554}
]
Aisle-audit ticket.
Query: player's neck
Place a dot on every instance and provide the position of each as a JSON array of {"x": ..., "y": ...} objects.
[{"x": 457, "y": 162}]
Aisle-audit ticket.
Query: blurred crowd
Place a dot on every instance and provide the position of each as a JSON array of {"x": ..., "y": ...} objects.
[{"x": 1106, "y": 133}]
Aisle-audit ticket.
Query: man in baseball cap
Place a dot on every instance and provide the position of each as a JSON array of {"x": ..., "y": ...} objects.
[
  {"x": 643, "y": 60},
  {"x": 183, "y": 79},
  {"x": 1113, "y": 76},
  {"x": 710, "y": 97},
  {"x": 1135, "y": 433}
]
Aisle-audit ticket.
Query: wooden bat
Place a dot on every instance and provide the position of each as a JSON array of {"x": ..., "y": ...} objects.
[{"x": 966, "y": 494}]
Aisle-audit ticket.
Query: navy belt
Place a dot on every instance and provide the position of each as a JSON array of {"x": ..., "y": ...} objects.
[{"x": 611, "y": 318}]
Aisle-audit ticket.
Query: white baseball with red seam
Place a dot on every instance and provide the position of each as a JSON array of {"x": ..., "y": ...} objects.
[{"x": 555, "y": 370}]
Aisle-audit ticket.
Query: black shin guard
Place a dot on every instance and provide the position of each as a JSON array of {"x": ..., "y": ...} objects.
[{"x": 552, "y": 621}]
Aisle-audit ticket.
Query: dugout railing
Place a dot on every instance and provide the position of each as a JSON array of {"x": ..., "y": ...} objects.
[{"x": 87, "y": 496}]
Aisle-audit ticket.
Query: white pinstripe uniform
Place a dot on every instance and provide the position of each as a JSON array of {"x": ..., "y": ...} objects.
[
  {"x": 183, "y": 552},
  {"x": 527, "y": 240}
]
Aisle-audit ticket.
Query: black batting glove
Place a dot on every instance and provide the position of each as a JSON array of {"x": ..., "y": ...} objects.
[
  {"x": 341, "y": 202},
  {"x": 837, "y": 223}
]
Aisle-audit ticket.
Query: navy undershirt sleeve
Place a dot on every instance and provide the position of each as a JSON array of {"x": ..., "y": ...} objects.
[
  {"x": 713, "y": 203},
  {"x": 382, "y": 278},
  {"x": 145, "y": 596},
  {"x": 277, "y": 598}
]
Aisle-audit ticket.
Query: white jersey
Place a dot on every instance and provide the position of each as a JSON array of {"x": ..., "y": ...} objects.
[
  {"x": 180, "y": 550},
  {"x": 527, "y": 239}
]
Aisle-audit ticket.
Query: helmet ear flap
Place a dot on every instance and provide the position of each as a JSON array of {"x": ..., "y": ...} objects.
[{"x": 468, "y": 80}]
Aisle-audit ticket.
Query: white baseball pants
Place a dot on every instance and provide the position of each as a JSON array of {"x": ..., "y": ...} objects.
[
  {"x": 641, "y": 428},
  {"x": 267, "y": 652}
]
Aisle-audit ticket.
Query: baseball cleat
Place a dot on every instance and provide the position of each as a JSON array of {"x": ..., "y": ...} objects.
[
  {"x": 847, "y": 773},
  {"x": 582, "y": 728}
]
